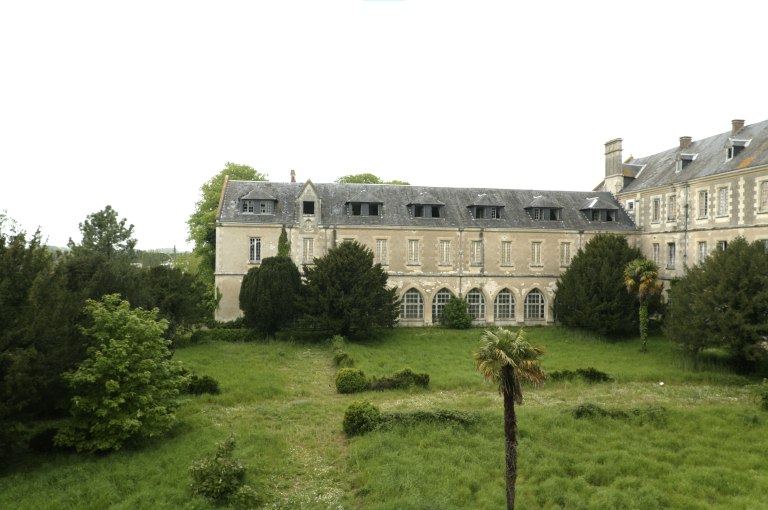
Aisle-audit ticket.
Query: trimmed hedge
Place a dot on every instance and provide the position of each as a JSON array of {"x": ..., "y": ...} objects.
[
  {"x": 650, "y": 414},
  {"x": 360, "y": 417},
  {"x": 590, "y": 375},
  {"x": 203, "y": 384},
  {"x": 405, "y": 378},
  {"x": 363, "y": 417}
]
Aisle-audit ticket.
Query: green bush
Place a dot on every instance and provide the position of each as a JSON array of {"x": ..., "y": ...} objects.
[
  {"x": 222, "y": 335},
  {"x": 456, "y": 314},
  {"x": 351, "y": 380},
  {"x": 340, "y": 356},
  {"x": 587, "y": 374},
  {"x": 437, "y": 417},
  {"x": 360, "y": 417},
  {"x": 203, "y": 384},
  {"x": 221, "y": 478},
  {"x": 763, "y": 397},
  {"x": 405, "y": 378},
  {"x": 650, "y": 414}
]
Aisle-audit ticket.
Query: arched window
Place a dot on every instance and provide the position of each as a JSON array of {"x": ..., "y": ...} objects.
[
  {"x": 534, "y": 305},
  {"x": 438, "y": 303},
  {"x": 504, "y": 305},
  {"x": 476, "y": 303},
  {"x": 413, "y": 305}
]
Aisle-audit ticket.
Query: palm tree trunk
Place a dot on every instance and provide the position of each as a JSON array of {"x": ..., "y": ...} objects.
[{"x": 510, "y": 437}]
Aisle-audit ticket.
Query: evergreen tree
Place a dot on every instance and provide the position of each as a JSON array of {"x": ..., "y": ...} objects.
[
  {"x": 346, "y": 294},
  {"x": 269, "y": 293},
  {"x": 723, "y": 303},
  {"x": 591, "y": 294},
  {"x": 283, "y": 245}
]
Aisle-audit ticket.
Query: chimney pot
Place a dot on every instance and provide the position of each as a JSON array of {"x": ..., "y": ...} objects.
[
  {"x": 736, "y": 125},
  {"x": 685, "y": 141},
  {"x": 293, "y": 175}
]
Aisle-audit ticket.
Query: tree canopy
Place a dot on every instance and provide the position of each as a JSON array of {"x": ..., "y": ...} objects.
[
  {"x": 367, "y": 178},
  {"x": 202, "y": 222},
  {"x": 591, "y": 294},
  {"x": 723, "y": 303},
  {"x": 346, "y": 294},
  {"x": 103, "y": 233}
]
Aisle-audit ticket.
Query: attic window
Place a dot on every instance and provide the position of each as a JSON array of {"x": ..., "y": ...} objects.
[
  {"x": 426, "y": 211},
  {"x": 486, "y": 212},
  {"x": 363, "y": 209},
  {"x": 308, "y": 207},
  {"x": 258, "y": 206},
  {"x": 685, "y": 160},
  {"x": 734, "y": 147}
]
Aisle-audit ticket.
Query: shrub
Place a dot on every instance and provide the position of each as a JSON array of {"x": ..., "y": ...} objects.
[
  {"x": 221, "y": 478},
  {"x": 360, "y": 417},
  {"x": 590, "y": 375},
  {"x": 405, "y": 378},
  {"x": 222, "y": 335},
  {"x": 42, "y": 441},
  {"x": 203, "y": 384},
  {"x": 762, "y": 396},
  {"x": 437, "y": 417},
  {"x": 340, "y": 356},
  {"x": 650, "y": 414},
  {"x": 351, "y": 380},
  {"x": 456, "y": 314}
]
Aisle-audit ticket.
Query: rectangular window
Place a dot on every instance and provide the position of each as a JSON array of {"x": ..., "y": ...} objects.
[
  {"x": 382, "y": 252},
  {"x": 656, "y": 253},
  {"x": 413, "y": 251},
  {"x": 670, "y": 255},
  {"x": 506, "y": 253},
  {"x": 655, "y": 210},
  {"x": 764, "y": 196},
  {"x": 308, "y": 207},
  {"x": 266, "y": 207},
  {"x": 565, "y": 254},
  {"x": 536, "y": 253},
  {"x": 247, "y": 205},
  {"x": 671, "y": 207},
  {"x": 308, "y": 250},
  {"x": 373, "y": 209},
  {"x": 476, "y": 253},
  {"x": 445, "y": 252},
  {"x": 536, "y": 213},
  {"x": 703, "y": 204},
  {"x": 702, "y": 251},
  {"x": 722, "y": 202},
  {"x": 254, "y": 250},
  {"x": 721, "y": 245}
]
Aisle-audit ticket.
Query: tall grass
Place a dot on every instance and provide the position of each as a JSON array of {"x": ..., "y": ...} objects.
[{"x": 280, "y": 401}]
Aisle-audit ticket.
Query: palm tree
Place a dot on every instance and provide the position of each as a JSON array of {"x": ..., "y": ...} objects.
[
  {"x": 506, "y": 357},
  {"x": 641, "y": 276}
]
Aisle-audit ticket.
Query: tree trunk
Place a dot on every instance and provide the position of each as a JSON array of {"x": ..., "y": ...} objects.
[{"x": 510, "y": 438}]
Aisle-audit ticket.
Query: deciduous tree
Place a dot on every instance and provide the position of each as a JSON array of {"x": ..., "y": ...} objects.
[
  {"x": 367, "y": 178},
  {"x": 202, "y": 222},
  {"x": 127, "y": 387}
]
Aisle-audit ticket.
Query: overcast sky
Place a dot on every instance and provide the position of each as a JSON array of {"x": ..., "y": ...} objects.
[{"x": 135, "y": 104}]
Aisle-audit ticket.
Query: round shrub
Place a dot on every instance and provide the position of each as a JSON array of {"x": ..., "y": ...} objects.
[
  {"x": 361, "y": 417},
  {"x": 203, "y": 384},
  {"x": 456, "y": 314},
  {"x": 351, "y": 380}
]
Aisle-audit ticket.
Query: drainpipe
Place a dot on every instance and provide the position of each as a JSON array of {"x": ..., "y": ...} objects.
[
  {"x": 685, "y": 229},
  {"x": 461, "y": 258}
]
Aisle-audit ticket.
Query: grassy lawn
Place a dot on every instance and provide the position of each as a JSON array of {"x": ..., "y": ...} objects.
[{"x": 706, "y": 449}]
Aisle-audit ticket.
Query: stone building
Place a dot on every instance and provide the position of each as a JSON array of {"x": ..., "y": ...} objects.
[{"x": 503, "y": 250}]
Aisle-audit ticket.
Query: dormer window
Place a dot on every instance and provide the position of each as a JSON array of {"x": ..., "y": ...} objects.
[
  {"x": 258, "y": 202},
  {"x": 684, "y": 161},
  {"x": 600, "y": 209},
  {"x": 426, "y": 206},
  {"x": 486, "y": 212},
  {"x": 426, "y": 211},
  {"x": 364, "y": 204},
  {"x": 308, "y": 207},
  {"x": 542, "y": 208},
  {"x": 363, "y": 209},
  {"x": 734, "y": 147}
]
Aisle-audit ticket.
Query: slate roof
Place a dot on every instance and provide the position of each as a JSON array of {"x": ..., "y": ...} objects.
[
  {"x": 659, "y": 169},
  {"x": 395, "y": 210}
]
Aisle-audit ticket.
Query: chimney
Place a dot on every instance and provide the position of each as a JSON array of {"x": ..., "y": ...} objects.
[
  {"x": 613, "y": 164},
  {"x": 736, "y": 126},
  {"x": 293, "y": 175},
  {"x": 685, "y": 141}
]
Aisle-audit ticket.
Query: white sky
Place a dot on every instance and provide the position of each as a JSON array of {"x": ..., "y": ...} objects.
[{"x": 137, "y": 103}]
